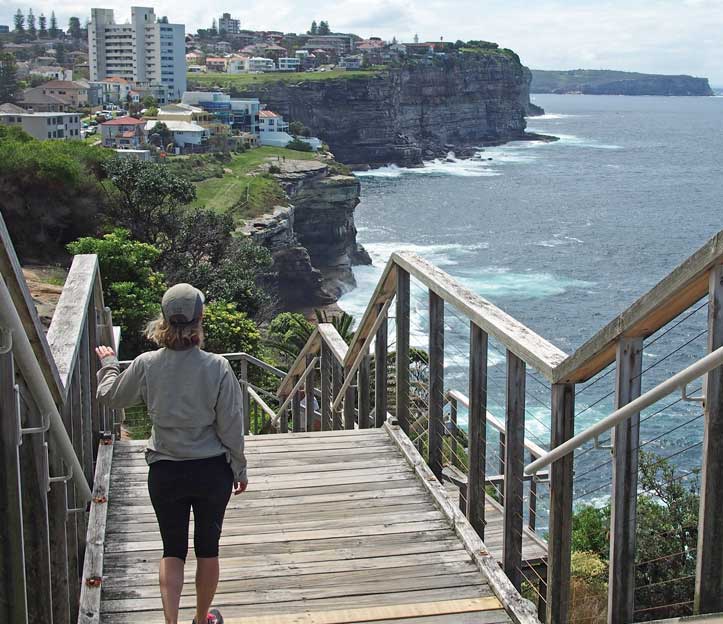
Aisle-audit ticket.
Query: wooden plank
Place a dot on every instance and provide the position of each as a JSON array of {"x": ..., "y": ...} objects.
[
  {"x": 314, "y": 604},
  {"x": 13, "y": 600},
  {"x": 329, "y": 334},
  {"x": 379, "y": 614},
  {"x": 296, "y": 422},
  {"x": 477, "y": 424},
  {"x": 71, "y": 315},
  {"x": 514, "y": 468},
  {"x": 709, "y": 564},
  {"x": 90, "y": 596},
  {"x": 272, "y": 595},
  {"x": 520, "y": 610},
  {"x": 436, "y": 383},
  {"x": 312, "y": 347},
  {"x": 674, "y": 294},
  {"x": 337, "y": 379},
  {"x": 309, "y": 385},
  {"x": 380, "y": 371},
  {"x": 515, "y": 336},
  {"x": 402, "y": 336},
  {"x": 623, "y": 514},
  {"x": 559, "y": 539}
]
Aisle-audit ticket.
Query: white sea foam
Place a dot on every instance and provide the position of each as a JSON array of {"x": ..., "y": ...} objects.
[
  {"x": 576, "y": 141},
  {"x": 450, "y": 166},
  {"x": 547, "y": 116},
  {"x": 499, "y": 283}
]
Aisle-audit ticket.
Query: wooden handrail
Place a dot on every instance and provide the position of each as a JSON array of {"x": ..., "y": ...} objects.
[{"x": 534, "y": 449}]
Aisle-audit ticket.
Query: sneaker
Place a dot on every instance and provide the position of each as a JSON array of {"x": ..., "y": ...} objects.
[{"x": 214, "y": 617}]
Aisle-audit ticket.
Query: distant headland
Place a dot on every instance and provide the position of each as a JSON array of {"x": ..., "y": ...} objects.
[{"x": 611, "y": 82}]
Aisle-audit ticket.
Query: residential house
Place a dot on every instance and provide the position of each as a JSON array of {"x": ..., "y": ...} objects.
[
  {"x": 184, "y": 133},
  {"x": 260, "y": 64},
  {"x": 43, "y": 126},
  {"x": 337, "y": 44},
  {"x": 217, "y": 104},
  {"x": 123, "y": 132},
  {"x": 245, "y": 115},
  {"x": 351, "y": 62},
  {"x": 194, "y": 58},
  {"x": 372, "y": 49},
  {"x": 114, "y": 90},
  {"x": 184, "y": 112},
  {"x": 216, "y": 63},
  {"x": 76, "y": 93},
  {"x": 4, "y": 29},
  {"x": 53, "y": 72},
  {"x": 274, "y": 131},
  {"x": 35, "y": 100},
  {"x": 288, "y": 64},
  {"x": 220, "y": 47},
  {"x": 236, "y": 64}
]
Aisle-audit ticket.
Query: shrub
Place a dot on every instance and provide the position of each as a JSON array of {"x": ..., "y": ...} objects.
[
  {"x": 229, "y": 330},
  {"x": 299, "y": 146},
  {"x": 274, "y": 169},
  {"x": 131, "y": 287}
]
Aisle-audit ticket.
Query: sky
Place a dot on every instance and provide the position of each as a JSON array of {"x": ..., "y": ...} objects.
[{"x": 656, "y": 36}]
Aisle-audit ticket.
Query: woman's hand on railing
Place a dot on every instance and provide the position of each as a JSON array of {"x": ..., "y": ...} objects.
[
  {"x": 104, "y": 352},
  {"x": 239, "y": 487}
]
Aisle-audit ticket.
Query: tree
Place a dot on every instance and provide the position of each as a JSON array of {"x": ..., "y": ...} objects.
[
  {"x": 416, "y": 38},
  {"x": 74, "y": 28},
  {"x": 150, "y": 102},
  {"x": 229, "y": 329},
  {"x": 19, "y": 21},
  {"x": 131, "y": 286},
  {"x": 214, "y": 28},
  {"x": 288, "y": 333},
  {"x": 60, "y": 52},
  {"x": 8, "y": 78},
  {"x": 205, "y": 251},
  {"x": 299, "y": 145},
  {"x": 324, "y": 28},
  {"x": 32, "y": 30},
  {"x": 43, "y": 29},
  {"x": 160, "y": 135},
  {"x": 296, "y": 128},
  {"x": 53, "y": 30},
  {"x": 314, "y": 30},
  {"x": 148, "y": 198}
]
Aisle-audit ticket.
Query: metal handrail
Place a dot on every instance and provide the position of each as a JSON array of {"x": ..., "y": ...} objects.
[{"x": 676, "y": 382}]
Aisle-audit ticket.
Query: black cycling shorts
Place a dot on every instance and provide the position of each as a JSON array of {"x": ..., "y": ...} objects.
[{"x": 176, "y": 487}]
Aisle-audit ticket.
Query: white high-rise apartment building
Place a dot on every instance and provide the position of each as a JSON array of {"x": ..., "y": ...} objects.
[{"x": 146, "y": 51}]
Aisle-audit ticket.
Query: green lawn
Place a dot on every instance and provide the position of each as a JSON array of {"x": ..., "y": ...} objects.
[
  {"x": 247, "y": 195},
  {"x": 245, "y": 80}
]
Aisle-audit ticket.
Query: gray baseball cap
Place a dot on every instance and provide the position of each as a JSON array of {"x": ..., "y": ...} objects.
[{"x": 182, "y": 304}]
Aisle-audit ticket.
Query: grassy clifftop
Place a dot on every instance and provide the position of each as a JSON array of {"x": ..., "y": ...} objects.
[{"x": 228, "y": 81}]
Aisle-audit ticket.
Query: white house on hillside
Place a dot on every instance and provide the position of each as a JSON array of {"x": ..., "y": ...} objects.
[
  {"x": 274, "y": 131},
  {"x": 289, "y": 64},
  {"x": 260, "y": 64}
]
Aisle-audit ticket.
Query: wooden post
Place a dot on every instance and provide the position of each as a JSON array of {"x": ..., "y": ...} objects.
[
  {"x": 364, "y": 392},
  {"x": 296, "y": 409},
  {"x": 13, "y": 599},
  {"x": 349, "y": 403},
  {"x": 246, "y": 403},
  {"x": 559, "y": 538},
  {"x": 402, "y": 331},
  {"x": 453, "y": 446},
  {"x": 325, "y": 387},
  {"x": 623, "y": 509},
  {"x": 436, "y": 382},
  {"x": 95, "y": 408},
  {"x": 501, "y": 451},
  {"x": 380, "y": 373},
  {"x": 86, "y": 401},
  {"x": 532, "y": 506},
  {"x": 337, "y": 379},
  {"x": 709, "y": 565},
  {"x": 309, "y": 384},
  {"x": 477, "y": 428},
  {"x": 514, "y": 468}
]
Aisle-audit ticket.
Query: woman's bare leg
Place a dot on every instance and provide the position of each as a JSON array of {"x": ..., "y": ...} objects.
[
  {"x": 171, "y": 581},
  {"x": 207, "y": 571}
]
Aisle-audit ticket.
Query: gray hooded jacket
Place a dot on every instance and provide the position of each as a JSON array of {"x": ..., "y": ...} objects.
[{"x": 193, "y": 399}]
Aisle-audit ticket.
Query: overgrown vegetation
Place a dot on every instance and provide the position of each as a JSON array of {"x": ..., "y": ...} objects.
[
  {"x": 667, "y": 533},
  {"x": 230, "y": 81}
]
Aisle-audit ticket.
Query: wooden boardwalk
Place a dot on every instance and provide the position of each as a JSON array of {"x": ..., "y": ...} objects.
[{"x": 335, "y": 527}]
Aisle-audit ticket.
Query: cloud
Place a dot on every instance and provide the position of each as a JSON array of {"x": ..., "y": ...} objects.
[{"x": 662, "y": 36}]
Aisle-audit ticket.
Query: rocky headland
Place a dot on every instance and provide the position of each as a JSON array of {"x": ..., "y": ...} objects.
[
  {"x": 609, "y": 82},
  {"x": 407, "y": 114},
  {"x": 313, "y": 240}
]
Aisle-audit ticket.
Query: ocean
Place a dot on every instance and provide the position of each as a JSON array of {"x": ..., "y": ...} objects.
[{"x": 564, "y": 236}]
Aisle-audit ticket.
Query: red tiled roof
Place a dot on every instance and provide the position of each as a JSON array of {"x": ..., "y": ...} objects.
[
  {"x": 268, "y": 114},
  {"x": 124, "y": 121},
  {"x": 116, "y": 79},
  {"x": 128, "y": 134},
  {"x": 62, "y": 84}
]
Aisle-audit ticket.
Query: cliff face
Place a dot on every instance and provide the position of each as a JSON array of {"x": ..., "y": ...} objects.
[
  {"x": 313, "y": 241},
  {"x": 406, "y": 114}
]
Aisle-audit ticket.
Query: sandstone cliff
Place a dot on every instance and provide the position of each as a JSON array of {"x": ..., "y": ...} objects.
[
  {"x": 312, "y": 241},
  {"x": 410, "y": 113}
]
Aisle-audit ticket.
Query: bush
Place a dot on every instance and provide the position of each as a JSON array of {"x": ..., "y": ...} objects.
[
  {"x": 274, "y": 169},
  {"x": 131, "y": 287},
  {"x": 229, "y": 330},
  {"x": 288, "y": 333},
  {"x": 299, "y": 146}
]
